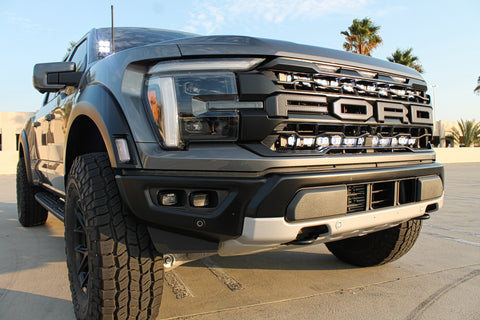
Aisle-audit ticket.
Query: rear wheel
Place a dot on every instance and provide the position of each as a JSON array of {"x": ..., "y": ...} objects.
[
  {"x": 113, "y": 269},
  {"x": 30, "y": 212},
  {"x": 378, "y": 247}
]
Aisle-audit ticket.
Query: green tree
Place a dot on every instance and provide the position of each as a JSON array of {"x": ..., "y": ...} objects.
[
  {"x": 362, "y": 37},
  {"x": 468, "y": 134},
  {"x": 72, "y": 45},
  {"x": 406, "y": 58}
]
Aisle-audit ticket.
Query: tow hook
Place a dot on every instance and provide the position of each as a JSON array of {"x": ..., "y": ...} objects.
[{"x": 426, "y": 216}]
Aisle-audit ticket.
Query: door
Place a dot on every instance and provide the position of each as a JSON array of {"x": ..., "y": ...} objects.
[{"x": 59, "y": 115}]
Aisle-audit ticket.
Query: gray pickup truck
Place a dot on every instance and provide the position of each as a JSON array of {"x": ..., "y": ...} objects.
[{"x": 158, "y": 147}]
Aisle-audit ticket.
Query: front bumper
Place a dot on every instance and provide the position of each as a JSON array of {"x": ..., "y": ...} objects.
[
  {"x": 253, "y": 210},
  {"x": 273, "y": 233}
]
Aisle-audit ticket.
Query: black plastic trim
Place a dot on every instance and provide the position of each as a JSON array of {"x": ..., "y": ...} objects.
[
  {"x": 26, "y": 155},
  {"x": 264, "y": 197}
]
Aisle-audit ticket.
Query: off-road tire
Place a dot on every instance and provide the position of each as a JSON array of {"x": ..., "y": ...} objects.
[
  {"x": 30, "y": 212},
  {"x": 379, "y": 247},
  {"x": 108, "y": 248}
]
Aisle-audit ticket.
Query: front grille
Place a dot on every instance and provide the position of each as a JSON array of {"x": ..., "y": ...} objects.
[
  {"x": 377, "y": 195},
  {"x": 347, "y": 86},
  {"x": 383, "y": 195}
]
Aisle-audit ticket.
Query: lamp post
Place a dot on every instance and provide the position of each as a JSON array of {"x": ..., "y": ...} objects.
[
  {"x": 434, "y": 86},
  {"x": 440, "y": 135}
]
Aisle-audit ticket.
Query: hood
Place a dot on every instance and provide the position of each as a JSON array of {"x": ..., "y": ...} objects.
[{"x": 239, "y": 45}]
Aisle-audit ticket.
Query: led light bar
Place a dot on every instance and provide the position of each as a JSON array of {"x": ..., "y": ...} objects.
[{"x": 339, "y": 141}]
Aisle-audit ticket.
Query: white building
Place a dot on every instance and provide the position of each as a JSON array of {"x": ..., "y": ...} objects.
[{"x": 11, "y": 124}]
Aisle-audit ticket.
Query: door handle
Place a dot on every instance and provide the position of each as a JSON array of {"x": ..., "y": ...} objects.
[{"x": 50, "y": 117}]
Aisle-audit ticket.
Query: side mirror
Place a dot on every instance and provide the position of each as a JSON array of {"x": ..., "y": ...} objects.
[{"x": 52, "y": 77}]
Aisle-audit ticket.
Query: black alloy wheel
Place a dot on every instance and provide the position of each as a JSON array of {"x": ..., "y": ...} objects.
[{"x": 80, "y": 246}]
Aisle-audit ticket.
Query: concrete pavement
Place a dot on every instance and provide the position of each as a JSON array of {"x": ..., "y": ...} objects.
[{"x": 438, "y": 279}]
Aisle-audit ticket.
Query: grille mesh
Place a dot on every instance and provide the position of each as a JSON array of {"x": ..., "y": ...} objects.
[{"x": 377, "y": 195}]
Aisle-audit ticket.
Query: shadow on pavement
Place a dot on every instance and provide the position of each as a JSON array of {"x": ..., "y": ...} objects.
[
  {"x": 280, "y": 260},
  {"x": 51, "y": 308},
  {"x": 28, "y": 248}
]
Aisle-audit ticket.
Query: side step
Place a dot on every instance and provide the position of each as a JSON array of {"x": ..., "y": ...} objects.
[{"x": 52, "y": 204}]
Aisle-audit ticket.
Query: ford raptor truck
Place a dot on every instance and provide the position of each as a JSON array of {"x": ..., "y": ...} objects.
[{"x": 158, "y": 147}]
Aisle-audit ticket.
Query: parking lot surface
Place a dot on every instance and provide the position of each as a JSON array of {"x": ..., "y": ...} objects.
[{"x": 438, "y": 279}]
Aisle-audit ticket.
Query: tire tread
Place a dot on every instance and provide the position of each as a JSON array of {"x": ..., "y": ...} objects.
[
  {"x": 379, "y": 247},
  {"x": 120, "y": 288},
  {"x": 30, "y": 212}
]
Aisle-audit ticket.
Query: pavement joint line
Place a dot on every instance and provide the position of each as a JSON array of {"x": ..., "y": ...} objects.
[
  {"x": 476, "y": 244},
  {"x": 178, "y": 286},
  {"x": 321, "y": 293},
  {"x": 453, "y": 230},
  {"x": 222, "y": 275}
]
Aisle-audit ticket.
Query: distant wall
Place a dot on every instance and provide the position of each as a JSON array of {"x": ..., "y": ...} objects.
[
  {"x": 11, "y": 124},
  {"x": 458, "y": 155},
  {"x": 8, "y": 162}
]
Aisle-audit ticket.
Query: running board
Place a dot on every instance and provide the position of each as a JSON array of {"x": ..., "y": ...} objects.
[{"x": 52, "y": 204}]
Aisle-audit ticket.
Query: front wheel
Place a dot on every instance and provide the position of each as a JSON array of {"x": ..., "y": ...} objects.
[
  {"x": 113, "y": 269},
  {"x": 378, "y": 247}
]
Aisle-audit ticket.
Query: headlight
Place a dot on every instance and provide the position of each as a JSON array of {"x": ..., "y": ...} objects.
[{"x": 197, "y": 106}]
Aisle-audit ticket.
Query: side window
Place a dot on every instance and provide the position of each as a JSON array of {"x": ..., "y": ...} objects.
[
  {"x": 80, "y": 56},
  {"x": 49, "y": 96}
]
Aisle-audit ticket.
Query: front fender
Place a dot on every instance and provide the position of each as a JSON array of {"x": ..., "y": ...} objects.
[
  {"x": 23, "y": 145},
  {"x": 98, "y": 104}
]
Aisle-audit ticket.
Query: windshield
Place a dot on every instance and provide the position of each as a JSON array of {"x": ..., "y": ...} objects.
[{"x": 126, "y": 38}]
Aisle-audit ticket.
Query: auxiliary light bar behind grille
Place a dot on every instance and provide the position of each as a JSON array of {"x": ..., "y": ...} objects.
[{"x": 347, "y": 85}]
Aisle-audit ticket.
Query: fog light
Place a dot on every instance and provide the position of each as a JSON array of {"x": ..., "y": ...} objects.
[
  {"x": 336, "y": 140},
  {"x": 168, "y": 199},
  {"x": 350, "y": 142},
  {"x": 384, "y": 142},
  {"x": 403, "y": 141},
  {"x": 308, "y": 142},
  {"x": 291, "y": 141},
  {"x": 200, "y": 200},
  {"x": 323, "y": 141}
]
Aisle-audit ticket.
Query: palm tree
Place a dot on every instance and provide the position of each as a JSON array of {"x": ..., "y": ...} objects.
[
  {"x": 406, "y": 58},
  {"x": 72, "y": 45},
  {"x": 362, "y": 37},
  {"x": 468, "y": 134}
]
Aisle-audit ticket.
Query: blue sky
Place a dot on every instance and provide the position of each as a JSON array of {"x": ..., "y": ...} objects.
[{"x": 443, "y": 34}]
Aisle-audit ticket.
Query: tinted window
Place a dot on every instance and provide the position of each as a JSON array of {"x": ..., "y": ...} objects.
[
  {"x": 80, "y": 56},
  {"x": 49, "y": 96}
]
